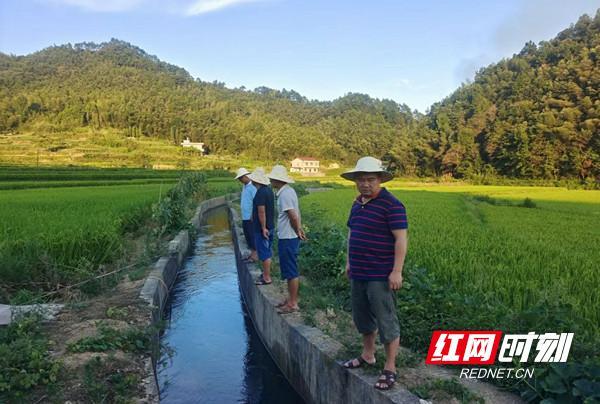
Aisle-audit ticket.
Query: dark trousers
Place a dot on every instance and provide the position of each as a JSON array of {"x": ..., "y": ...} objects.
[{"x": 248, "y": 233}]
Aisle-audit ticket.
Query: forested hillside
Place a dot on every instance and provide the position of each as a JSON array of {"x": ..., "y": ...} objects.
[
  {"x": 535, "y": 115},
  {"x": 118, "y": 85}
]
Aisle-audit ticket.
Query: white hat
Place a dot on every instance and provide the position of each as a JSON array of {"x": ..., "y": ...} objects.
[
  {"x": 368, "y": 165},
  {"x": 279, "y": 173},
  {"x": 259, "y": 176},
  {"x": 241, "y": 172}
]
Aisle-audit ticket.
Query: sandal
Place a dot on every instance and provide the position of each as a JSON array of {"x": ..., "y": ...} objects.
[
  {"x": 261, "y": 281},
  {"x": 288, "y": 310},
  {"x": 349, "y": 364},
  {"x": 386, "y": 380}
]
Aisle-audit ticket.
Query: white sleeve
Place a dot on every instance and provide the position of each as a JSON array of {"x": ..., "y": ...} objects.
[{"x": 287, "y": 201}]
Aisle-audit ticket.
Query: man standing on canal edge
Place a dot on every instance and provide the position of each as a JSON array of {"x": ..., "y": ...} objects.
[
  {"x": 263, "y": 218},
  {"x": 289, "y": 234},
  {"x": 377, "y": 245},
  {"x": 248, "y": 192}
]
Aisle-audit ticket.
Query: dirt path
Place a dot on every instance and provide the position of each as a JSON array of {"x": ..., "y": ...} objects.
[{"x": 111, "y": 373}]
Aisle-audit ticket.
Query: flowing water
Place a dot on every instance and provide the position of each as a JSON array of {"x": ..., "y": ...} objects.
[{"x": 217, "y": 356}]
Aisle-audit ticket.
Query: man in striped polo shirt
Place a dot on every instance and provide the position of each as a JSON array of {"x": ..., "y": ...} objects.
[{"x": 377, "y": 246}]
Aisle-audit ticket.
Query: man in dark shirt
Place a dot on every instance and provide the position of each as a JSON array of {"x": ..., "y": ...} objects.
[
  {"x": 263, "y": 219},
  {"x": 377, "y": 246}
]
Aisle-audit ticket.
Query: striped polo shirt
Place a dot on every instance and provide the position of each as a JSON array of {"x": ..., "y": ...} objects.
[{"x": 371, "y": 241}]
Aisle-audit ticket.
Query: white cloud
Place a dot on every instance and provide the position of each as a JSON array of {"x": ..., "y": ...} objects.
[
  {"x": 101, "y": 5},
  {"x": 183, "y": 7},
  {"x": 208, "y": 6}
]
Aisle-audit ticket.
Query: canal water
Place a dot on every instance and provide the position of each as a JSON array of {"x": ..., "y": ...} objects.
[{"x": 216, "y": 357}]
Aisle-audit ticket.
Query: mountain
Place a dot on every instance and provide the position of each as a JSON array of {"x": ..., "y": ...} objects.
[
  {"x": 534, "y": 115},
  {"x": 118, "y": 85}
]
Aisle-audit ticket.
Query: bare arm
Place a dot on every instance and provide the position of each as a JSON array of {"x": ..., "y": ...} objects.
[
  {"x": 400, "y": 247},
  {"x": 262, "y": 219},
  {"x": 295, "y": 222}
]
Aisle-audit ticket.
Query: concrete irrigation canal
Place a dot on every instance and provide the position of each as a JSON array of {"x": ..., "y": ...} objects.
[
  {"x": 224, "y": 341},
  {"x": 217, "y": 355}
]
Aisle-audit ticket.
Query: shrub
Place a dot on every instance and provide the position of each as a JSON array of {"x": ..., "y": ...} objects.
[
  {"x": 24, "y": 359},
  {"x": 169, "y": 212},
  {"x": 109, "y": 339}
]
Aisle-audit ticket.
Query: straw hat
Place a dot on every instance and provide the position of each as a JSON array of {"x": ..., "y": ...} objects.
[
  {"x": 241, "y": 172},
  {"x": 279, "y": 173},
  {"x": 368, "y": 165},
  {"x": 259, "y": 177}
]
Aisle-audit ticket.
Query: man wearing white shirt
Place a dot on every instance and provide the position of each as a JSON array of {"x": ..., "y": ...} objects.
[{"x": 289, "y": 234}]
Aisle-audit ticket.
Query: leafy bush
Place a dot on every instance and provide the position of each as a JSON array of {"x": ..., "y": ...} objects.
[
  {"x": 109, "y": 339},
  {"x": 564, "y": 383},
  {"x": 323, "y": 256},
  {"x": 169, "y": 212},
  {"x": 300, "y": 189},
  {"x": 24, "y": 359}
]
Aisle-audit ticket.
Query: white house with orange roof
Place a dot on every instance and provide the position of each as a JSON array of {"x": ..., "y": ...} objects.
[{"x": 306, "y": 166}]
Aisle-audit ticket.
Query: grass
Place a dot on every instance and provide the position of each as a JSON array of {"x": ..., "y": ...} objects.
[
  {"x": 69, "y": 228},
  {"x": 515, "y": 259},
  {"x": 61, "y": 225},
  {"x": 104, "y": 381},
  {"x": 445, "y": 388},
  {"x": 512, "y": 256}
]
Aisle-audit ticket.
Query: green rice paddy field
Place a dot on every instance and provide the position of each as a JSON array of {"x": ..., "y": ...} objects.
[
  {"x": 480, "y": 240},
  {"x": 477, "y": 240},
  {"x": 58, "y": 226}
]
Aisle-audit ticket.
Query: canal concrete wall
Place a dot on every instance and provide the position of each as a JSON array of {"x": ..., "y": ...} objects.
[
  {"x": 306, "y": 356},
  {"x": 160, "y": 280}
]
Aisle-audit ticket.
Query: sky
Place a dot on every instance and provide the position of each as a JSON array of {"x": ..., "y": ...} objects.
[{"x": 413, "y": 52}]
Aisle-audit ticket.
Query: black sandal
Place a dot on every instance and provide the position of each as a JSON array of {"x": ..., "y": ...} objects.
[
  {"x": 261, "y": 281},
  {"x": 386, "y": 380},
  {"x": 349, "y": 364}
]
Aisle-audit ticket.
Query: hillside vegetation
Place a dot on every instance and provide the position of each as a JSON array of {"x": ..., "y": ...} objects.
[{"x": 534, "y": 115}]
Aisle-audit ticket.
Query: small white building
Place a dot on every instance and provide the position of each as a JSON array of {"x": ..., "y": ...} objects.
[
  {"x": 196, "y": 145},
  {"x": 305, "y": 166}
]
